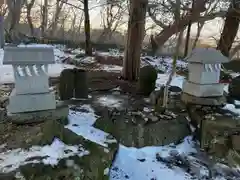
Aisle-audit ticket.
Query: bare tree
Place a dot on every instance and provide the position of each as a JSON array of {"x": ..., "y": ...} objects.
[
  {"x": 29, "y": 6},
  {"x": 112, "y": 17},
  {"x": 14, "y": 7},
  {"x": 44, "y": 12},
  {"x": 230, "y": 28},
  {"x": 88, "y": 46},
  {"x": 55, "y": 19},
  {"x": 3, "y": 10},
  {"x": 210, "y": 7},
  {"x": 165, "y": 10},
  {"x": 78, "y": 30},
  {"x": 136, "y": 30},
  {"x": 74, "y": 20}
]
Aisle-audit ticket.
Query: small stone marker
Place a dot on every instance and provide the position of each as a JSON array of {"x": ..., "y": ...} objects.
[
  {"x": 73, "y": 84},
  {"x": 81, "y": 84},
  {"x": 204, "y": 67},
  {"x": 30, "y": 66}
]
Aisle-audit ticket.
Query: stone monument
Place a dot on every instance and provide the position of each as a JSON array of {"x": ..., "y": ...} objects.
[
  {"x": 31, "y": 97},
  {"x": 204, "y": 66},
  {"x": 203, "y": 88},
  {"x": 30, "y": 66}
]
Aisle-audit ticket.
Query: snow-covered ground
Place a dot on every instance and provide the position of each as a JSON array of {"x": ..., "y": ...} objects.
[
  {"x": 51, "y": 154},
  {"x": 130, "y": 163}
]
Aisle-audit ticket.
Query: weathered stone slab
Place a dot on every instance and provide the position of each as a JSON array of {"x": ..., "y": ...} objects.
[
  {"x": 31, "y": 102},
  {"x": 30, "y": 66},
  {"x": 216, "y": 135},
  {"x": 60, "y": 112},
  {"x": 213, "y": 101},
  {"x": 134, "y": 131},
  {"x": 203, "y": 90},
  {"x": 93, "y": 165}
]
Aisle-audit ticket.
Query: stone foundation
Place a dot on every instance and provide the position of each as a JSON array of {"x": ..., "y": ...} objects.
[{"x": 60, "y": 112}]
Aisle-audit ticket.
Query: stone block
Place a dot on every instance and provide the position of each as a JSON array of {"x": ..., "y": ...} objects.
[
  {"x": 31, "y": 102},
  {"x": 36, "y": 82},
  {"x": 200, "y": 90},
  {"x": 216, "y": 135},
  {"x": 236, "y": 142},
  {"x": 60, "y": 112},
  {"x": 198, "y": 74},
  {"x": 208, "y": 101}
]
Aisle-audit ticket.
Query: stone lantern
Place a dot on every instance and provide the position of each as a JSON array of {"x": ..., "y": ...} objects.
[{"x": 204, "y": 66}]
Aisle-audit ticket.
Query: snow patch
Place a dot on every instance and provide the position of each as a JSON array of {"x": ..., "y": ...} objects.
[
  {"x": 231, "y": 107},
  {"x": 81, "y": 121},
  {"x": 135, "y": 164},
  {"x": 110, "y": 68},
  {"x": 176, "y": 80},
  {"x": 49, "y": 154},
  {"x": 110, "y": 101}
]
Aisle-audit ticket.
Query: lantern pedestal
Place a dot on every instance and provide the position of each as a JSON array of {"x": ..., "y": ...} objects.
[
  {"x": 203, "y": 90},
  {"x": 205, "y": 101}
]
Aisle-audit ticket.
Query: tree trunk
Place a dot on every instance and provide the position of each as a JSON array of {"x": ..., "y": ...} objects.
[
  {"x": 199, "y": 29},
  {"x": 44, "y": 18},
  {"x": 169, "y": 31},
  {"x": 136, "y": 30},
  {"x": 55, "y": 19},
  {"x": 14, "y": 14},
  {"x": 29, "y": 17},
  {"x": 2, "y": 39},
  {"x": 78, "y": 33},
  {"x": 230, "y": 30},
  {"x": 88, "y": 47}
]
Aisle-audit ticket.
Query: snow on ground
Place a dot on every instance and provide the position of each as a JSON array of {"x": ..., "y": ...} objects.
[
  {"x": 81, "y": 121},
  {"x": 130, "y": 163},
  {"x": 163, "y": 78},
  {"x": 110, "y": 101},
  {"x": 232, "y": 108},
  {"x": 135, "y": 164},
  {"x": 49, "y": 154},
  {"x": 164, "y": 63},
  {"x": 110, "y": 68}
]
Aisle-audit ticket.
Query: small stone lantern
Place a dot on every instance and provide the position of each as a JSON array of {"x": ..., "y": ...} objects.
[{"x": 204, "y": 65}]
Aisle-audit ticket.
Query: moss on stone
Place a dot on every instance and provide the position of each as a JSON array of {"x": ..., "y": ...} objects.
[
  {"x": 162, "y": 132},
  {"x": 90, "y": 166},
  {"x": 147, "y": 79}
]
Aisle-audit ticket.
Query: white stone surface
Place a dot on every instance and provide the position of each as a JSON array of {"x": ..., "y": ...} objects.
[
  {"x": 28, "y": 55},
  {"x": 199, "y": 74},
  {"x": 35, "y": 82},
  {"x": 207, "y": 90},
  {"x": 30, "y": 66},
  {"x": 31, "y": 102},
  {"x": 60, "y": 112}
]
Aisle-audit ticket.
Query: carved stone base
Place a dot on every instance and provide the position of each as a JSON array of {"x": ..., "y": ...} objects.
[
  {"x": 207, "y": 101},
  {"x": 203, "y": 90},
  {"x": 31, "y": 102},
  {"x": 61, "y": 112}
]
